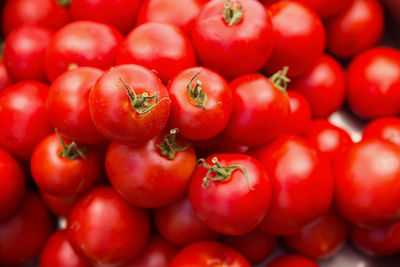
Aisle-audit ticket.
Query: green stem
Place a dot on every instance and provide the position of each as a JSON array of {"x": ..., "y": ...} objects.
[
  {"x": 280, "y": 79},
  {"x": 72, "y": 151},
  {"x": 64, "y": 3},
  {"x": 169, "y": 146},
  {"x": 233, "y": 12},
  {"x": 197, "y": 94}
]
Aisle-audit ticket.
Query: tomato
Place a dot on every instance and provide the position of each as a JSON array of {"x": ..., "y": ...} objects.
[
  {"x": 58, "y": 252},
  {"x": 387, "y": 128},
  {"x": 256, "y": 246},
  {"x": 5, "y": 79},
  {"x": 369, "y": 169},
  {"x": 373, "y": 83},
  {"x": 67, "y": 104},
  {"x": 129, "y": 104},
  {"x": 151, "y": 174},
  {"x": 260, "y": 110},
  {"x": 84, "y": 43},
  {"x": 324, "y": 86},
  {"x": 60, "y": 206},
  {"x": 178, "y": 224},
  {"x": 104, "y": 228},
  {"x": 322, "y": 238},
  {"x": 201, "y": 103},
  {"x": 292, "y": 260},
  {"x": 359, "y": 27},
  {"x": 302, "y": 182},
  {"x": 300, "y": 115},
  {"x": 300, "y": 38},
  {"x": 47, "y": 13},
  {"x": 23, "y": 118},
  {"x": 161, "y": 47},
  {"x": 119, "y": 13},
  {"x": 208, "y": 254},
  {"x": 233, "y": 37},
  {"x": 179, "y": 13},
  {"x": 12, "y": 185},
  {"x": 236, "y": 187},
  {"x": 23, "y": 235}
]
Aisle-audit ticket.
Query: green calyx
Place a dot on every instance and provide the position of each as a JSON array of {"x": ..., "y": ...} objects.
[
  {"x": 233, "y": 12},
  {"x": 197, "y": 94},
  {"x": 222, "y": 173},
  {"x": 64, "y": 3},
  {"x": 280, "y": 79},
  {"x": 169, "y": 146},
  {"x": 72, "y": 151}
]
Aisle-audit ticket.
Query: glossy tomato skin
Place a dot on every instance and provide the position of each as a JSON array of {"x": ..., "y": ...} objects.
[
  {"x": 96, "y": 232},
  {"x": 374, "y": 84},
  {"x": 58, "y": 252},
  {"x": 146, "y": 178},
  {"x": 161, "y": 47},
  {"x": 178, "y": 224},
  {"x": 60, "y": 206},
  {"x": 208, "y": 254},
  {"x": 387, "y": 128},
  {"x": 299, "y": 38},
  {"x": 369, "y": 169},
  {"x": 292, "y": 260},
  {"x": 233, "y": 50},
  {"x": 119, "y": 13},
  {"x": 5, "y": 79},
  {"x": 324, "y": 86},
  {"x": 238, "y": 205},
  {"x": 111, "y": 109},
  {"x": 67, "y": 104},
  {"x": 12, "y": 185},
  {"x": 194, "y": 122},
  {"x": 84, "y": 43},
  {"x": 47, "y": 13},
  {"x": 359, "y": 27},
  {"x": 23, "y": 116},
  {"x": 23, "y": 235},
  {"x": 260, "y": 110},
  {"x": 302, "y": 182},
  {"x": 300, "y": 114}
]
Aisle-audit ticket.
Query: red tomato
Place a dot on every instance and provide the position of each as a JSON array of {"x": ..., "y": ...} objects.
[
  {"x": 299, "y": 118},
  {"x": 358, "y": 27},
  {"x": 84, "y": 43},
  {"x": 119, "y": 13},
  {"x": 302, "y": 182},
  {"x": 292, "y": 260},
  {"x": 201, "y": 103},
  {"x": 256, "y": 246},
  {"x": 322, "y": 238},
  {"x": 60, "y": 206},
  {"x": 236, "y": 187},
  {"x": 129, "y": 104},
  {"x": 369, "y": 169},
  {"x": 5, "y": 79},
  {"x": 23, "y": 118},
  {"x": 178, "y": 223},
  {"x": 300, "y": 38},
  {"x": 373, "y": 83},
  {"x": 387, "y": 128},
  {"x": 58, "y": 252},
  {"x": 23, "y": 235},
  {"x": 233, "y": 37},
  {"x": 324, "y": 86},
  {"x": 153, "y": 173},
  {"x": 260, "y": 110},
  {"x": 104, "y": 228},
  {"x": 12, "y": 185},
  {"x": 67, "y": 104},
  {"x": 208, "y": 254},
  {"x": 157, "y": 46},
  {"x": 47, "y": 13}
]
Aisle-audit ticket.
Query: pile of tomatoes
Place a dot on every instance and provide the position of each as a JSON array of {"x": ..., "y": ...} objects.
[{"x": 195, "y": 133}]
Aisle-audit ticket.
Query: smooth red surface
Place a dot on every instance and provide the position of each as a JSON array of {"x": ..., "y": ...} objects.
[
  {"x": 299, "y": 119},
  {"x": 387, "y": 128},
  {"x": 292, "y": 260},
  {"x": 58, "y": 205}
]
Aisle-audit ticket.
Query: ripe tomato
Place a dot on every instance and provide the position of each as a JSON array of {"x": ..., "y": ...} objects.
[
  {"x": 299, "y": 35},
  {"x": 161, "y": 47},
  {"x": 60, "y": 206},
  {"x": 178, "y": 223},
  {"x": 373, "y": 83},
  {"x": 84, "y": 43},
  {"x": 299, "y": 118},
  {"x": 233, "y": 37},
  {"x": 5, "y": 79},
  {"x": 369, "y": 169},
  {"x": 23, "y": 235},
  {"x": 208, "y": 254},
  {"x": 67, "y": 104},
  {"x": 324, "y": 86},
  {"x": 387, "y": 128},
  {"x": 302, "y": 182},
  {"x": 12, "y": 185},
  {"x": 104, "y": 228},
  {"x": 292, "y": 260},
  {"x": 260, "y": 110},
  {"x": 129, "y": 104},
  {"x": 201, "y": 103},
  {"x": 23, "y": 118},
  {"x": 358, "y": 27},
  {"x": 236, "y": 187}
]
